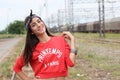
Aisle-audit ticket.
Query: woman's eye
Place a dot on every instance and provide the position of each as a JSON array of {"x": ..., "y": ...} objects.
[
  {"x": 39, "y": 21},
  {"x": 33, "y": 25}
]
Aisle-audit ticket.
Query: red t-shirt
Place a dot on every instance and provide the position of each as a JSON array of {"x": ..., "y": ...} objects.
[{"x": 49, "y": 59}]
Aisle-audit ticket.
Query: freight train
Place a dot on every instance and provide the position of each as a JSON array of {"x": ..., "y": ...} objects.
[{"x": 111, "y": 25}]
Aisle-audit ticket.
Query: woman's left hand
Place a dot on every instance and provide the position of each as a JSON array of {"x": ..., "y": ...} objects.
[{"x": 67, "y": 35}]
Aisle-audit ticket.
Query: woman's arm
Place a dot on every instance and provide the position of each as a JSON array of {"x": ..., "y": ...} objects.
[
  {"x": 70, "y": 37},
  {"x": 23, "y": 76},
  {"x": 72, "y": 54},
  {"x": 18, "y": 68}
]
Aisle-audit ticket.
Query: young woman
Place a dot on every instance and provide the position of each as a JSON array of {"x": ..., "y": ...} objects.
[{"x": 48, "y": 55}]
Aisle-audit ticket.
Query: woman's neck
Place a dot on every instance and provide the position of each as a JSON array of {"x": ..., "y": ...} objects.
[{"x": 44, "y": 38}]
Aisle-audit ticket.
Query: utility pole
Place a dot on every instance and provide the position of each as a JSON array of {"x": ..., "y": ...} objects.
[
  {"x": 58, "y": 20},
  {"x": 47, "y": 19},
  {"x": 101, "y": 18},
  {"x": 8, "y": 15},
  {"x": 112, "y": 7},
  {"x": 65, "y": 13},
  {"x": 70, "y": 14}
]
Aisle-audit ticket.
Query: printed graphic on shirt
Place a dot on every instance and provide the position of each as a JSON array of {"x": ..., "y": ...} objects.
[
  {"x": 49, "y": 51},
  {"x": 52, "y": 63}
]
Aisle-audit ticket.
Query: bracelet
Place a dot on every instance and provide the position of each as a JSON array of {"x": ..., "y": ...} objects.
[{"x": 74, "y": 51}]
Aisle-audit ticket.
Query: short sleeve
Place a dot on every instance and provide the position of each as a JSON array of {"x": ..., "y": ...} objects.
[{"x": 18, "y": 64}]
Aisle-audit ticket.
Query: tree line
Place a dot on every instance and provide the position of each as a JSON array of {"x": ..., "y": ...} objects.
[{"x": 16, "y": 27}]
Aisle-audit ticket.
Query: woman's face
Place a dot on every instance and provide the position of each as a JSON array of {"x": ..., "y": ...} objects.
[{"x": 37, "y": 26}]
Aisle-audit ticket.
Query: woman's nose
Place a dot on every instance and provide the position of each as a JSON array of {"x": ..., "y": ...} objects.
[{"x": 38, "y": 24}]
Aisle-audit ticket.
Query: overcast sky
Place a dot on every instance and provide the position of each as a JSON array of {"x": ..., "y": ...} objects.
[{"x": 11, "y": 10}]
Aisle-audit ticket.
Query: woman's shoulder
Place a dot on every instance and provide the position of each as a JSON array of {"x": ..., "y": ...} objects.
[{"x": 58, "y": 37}]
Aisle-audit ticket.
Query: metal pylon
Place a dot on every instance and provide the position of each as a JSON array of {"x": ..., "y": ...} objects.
[{"x": 101, "y": 18}]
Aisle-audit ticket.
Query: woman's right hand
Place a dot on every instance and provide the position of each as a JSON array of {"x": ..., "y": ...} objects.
[{"x": 23, "y": 76}]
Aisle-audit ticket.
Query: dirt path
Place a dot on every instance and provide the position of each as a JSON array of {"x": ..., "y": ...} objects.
[{"x": 6, "y": 45}]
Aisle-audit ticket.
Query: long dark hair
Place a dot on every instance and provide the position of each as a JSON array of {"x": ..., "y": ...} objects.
[{"x": 31, "y": 42}]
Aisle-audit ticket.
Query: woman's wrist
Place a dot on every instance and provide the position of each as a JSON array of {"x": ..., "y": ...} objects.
[
  {"x": 73, "y": 48},
  {"x": 72, "y": 43},
  {"x": 74, "y": 51}
]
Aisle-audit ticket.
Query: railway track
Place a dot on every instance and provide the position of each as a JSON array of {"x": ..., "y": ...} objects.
[
  {"x": 106, "y": 41},
  {"x": 100, "y": 40}
]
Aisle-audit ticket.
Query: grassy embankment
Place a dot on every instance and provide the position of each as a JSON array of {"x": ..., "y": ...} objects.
[{"x": 3, "y": 36}]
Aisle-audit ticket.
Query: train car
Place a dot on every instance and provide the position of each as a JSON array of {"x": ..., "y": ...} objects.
[
  {"x": 89, "y": 27},
  {"x": 96, "y": 26},
  {"x": 82, "y": 27},
  {"x": 111, "y": 25}
]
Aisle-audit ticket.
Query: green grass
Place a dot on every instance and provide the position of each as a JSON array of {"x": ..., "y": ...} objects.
[
  {"x": 113, "y": 36},
  {"x": 116, "y": 73},
  {"x": 2, "y": 36},
  {"x": 76, "y": 73},
  {"x": 6, "y": 69},
  {"x": 73, "y": 74},
  {"x": 96, "y": 35},
  {"x": 102, "y": 62},
  {"x": 110, "y": 67}
]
